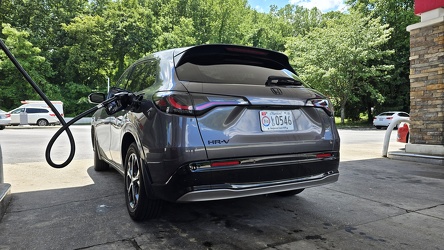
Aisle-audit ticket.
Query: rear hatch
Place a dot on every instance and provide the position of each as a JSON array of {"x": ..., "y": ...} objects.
[{"x": 249, "y": 103}]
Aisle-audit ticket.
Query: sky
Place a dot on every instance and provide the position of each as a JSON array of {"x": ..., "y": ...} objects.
[{"x": 323, "y": 5}]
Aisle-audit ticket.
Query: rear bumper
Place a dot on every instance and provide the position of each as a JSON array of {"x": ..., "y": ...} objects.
[
  {"x": 254, "y": 176},
  {"x": 244, "y": 190}
]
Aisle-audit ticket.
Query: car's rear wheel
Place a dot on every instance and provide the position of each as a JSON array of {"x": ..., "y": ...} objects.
[
  {"x": 2, "y": 127},
  {"x": 378, "y": 127},
  {"x": 99, "y": 164},
  {"x": 138, "y": 202},
  {"x": 42, "y": 122},
  {"x": 290, "y": 193}
]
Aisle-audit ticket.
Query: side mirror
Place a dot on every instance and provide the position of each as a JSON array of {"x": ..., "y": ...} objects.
[{"x": 96, "y": 98}]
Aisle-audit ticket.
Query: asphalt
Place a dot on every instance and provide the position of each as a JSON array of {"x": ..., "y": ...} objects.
[{"x": 378, "y": 203}]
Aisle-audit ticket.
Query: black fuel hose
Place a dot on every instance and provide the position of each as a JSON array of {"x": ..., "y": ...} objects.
[{"x": 65, "y": 126}]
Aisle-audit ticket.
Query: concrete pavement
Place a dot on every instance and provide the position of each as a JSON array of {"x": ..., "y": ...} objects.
[{"x": 378, "y": 203}]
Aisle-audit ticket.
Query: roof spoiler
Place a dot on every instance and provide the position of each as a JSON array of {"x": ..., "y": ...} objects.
[{"x": 206, "y": 52}]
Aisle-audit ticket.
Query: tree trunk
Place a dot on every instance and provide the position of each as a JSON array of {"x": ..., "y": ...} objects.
[{"x": 343, "y": 114}]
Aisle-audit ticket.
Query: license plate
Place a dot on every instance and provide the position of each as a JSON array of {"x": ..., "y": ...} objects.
[{"x": 276, "y": 120}]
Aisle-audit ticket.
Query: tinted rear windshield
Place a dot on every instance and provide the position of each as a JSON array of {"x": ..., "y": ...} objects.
[{"x": 231, "y": 73}]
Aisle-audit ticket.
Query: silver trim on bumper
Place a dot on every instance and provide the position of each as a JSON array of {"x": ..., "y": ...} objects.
[{"x": 244, "y": 190}]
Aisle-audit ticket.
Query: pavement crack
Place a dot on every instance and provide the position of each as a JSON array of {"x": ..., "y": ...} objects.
[
  {"x": 104, "y": 245},
  {"x": 60, "y": 204}
]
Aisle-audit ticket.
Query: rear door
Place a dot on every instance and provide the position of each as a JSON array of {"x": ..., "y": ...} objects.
[
  {"x": 35, "y": 114},
  {"x": 139, "y": 76}
]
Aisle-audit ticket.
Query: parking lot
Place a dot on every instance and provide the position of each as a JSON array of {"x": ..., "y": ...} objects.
[{"x": 378, "y": 203}]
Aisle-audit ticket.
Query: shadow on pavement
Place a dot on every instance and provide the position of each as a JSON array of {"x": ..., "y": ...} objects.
[{"x": 377, "y": 203}]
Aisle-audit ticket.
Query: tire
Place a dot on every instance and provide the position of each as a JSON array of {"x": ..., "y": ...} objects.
[
  {"x": 378, "y": 127},
  {"x": 42, "y": 122},
  {"x": 2, "y": 127},
  {"x": 138, "y": 202},
  {"x": 99, "y": 165},
  {"x": 290, "y": 193}
]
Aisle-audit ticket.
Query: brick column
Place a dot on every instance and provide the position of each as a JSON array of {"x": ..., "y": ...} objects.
[{"x": 427, "y": 82}]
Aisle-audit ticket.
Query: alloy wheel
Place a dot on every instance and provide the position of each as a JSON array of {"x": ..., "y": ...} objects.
[{"x": 133, "y": 180}]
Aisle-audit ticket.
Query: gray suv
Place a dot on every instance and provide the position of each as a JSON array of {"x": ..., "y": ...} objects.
[{"x": 217, "y": 122}]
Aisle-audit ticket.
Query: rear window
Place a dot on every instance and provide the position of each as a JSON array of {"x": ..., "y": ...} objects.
[
  {"x": 229, "y": 73},
  {"x": 232, "y": 65},
  {"x": 386, "y": 114},
  {"x": 36, "y": 110}
]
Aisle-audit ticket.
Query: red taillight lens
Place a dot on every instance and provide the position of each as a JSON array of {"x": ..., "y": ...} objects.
[
  {"x": 389, "y": 118},
  {"x": 52, "y": 114},
  {"x": 8, "y": 115},
  {"x": 174, "y": 103},
  {"x": 322, "y": 103},
  {"x": 194, "y": 104}
]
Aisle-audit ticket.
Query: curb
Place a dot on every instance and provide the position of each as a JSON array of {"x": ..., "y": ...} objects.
[
  {"x": 5, "y": 198},
  {"x": 5, "y": 190},
  {"x": 420, "y": 158}
]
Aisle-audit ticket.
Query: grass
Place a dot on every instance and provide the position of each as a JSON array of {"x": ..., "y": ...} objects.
[{"x": 348, "y": 123}]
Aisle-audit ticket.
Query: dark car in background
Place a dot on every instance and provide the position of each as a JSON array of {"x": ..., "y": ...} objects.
[{"x": 216, "y": 122}]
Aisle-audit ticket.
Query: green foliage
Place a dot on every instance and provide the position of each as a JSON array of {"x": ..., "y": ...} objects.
[
  {"x": 398, "y": 14},
  {"x": 341, "y": 56},
  {"x": 14, "y": 86},
  {"x": 72, "y": 47}
]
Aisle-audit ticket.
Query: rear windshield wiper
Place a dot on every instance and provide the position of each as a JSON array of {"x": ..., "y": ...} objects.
[{"x": 282, "y": 80}]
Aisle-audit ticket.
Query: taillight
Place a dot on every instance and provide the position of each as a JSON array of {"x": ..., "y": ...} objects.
[
  {"x": 203, "y": 103},
  {"x": 193, "y": 104},
  {"x": 52, "y": 114},
  {"x": 322, "y": 103},
  {"x": 174, "y": 103},
  {"x": 389, "y": 118},
  {"x": 8, "y": 115}
]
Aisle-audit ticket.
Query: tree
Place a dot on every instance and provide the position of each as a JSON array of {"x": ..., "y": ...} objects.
[
  {"x": 14, "y": 87},
  {"x": 341, "y": 56},
  {"x": 133, "y": 30},
  {"x": 398, "y": 14}
]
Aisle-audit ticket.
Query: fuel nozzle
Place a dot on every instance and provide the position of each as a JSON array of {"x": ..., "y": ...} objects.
[{"x": 122, "y": 101}]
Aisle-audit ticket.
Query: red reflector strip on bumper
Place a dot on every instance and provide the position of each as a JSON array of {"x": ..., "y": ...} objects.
[
  {"x": 224, "y": 163},
  {"x": 324, "y": 155}
]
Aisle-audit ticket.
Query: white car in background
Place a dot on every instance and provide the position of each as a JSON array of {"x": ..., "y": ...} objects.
[
  {"x": 33, "y": 115},
  {"x": 384, "y": 119},
  {"x": 4, "y": 120}
]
